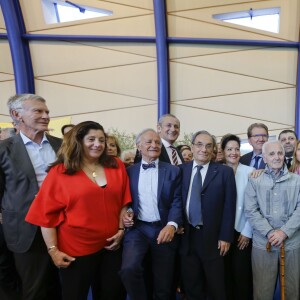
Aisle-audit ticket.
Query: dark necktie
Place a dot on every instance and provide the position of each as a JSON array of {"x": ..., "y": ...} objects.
[
  {"x": 195, "y": 213},
  {"x": 257, "y": 158},
  {"x": 147, "y": 166},
  {"x": 289, "y": 162},
  {"x": 174, "y": 156}
]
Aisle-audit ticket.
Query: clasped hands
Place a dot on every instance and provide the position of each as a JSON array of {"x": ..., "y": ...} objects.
[{"x": 277, "y": 237}]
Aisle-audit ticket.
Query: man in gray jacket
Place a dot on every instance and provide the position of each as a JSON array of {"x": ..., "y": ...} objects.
[{"x": 272, "y": 206}]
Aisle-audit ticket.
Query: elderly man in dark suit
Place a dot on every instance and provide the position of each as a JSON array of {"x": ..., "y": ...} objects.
[
  {"x": 209, "y": 198},
  {"x": 257, "y": 135},
  {"x": 24, "y": 159},
  {"x": 157, "y": 208}
]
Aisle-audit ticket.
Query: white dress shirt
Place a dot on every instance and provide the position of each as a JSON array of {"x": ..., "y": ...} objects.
[{"x": 168, "y": 147}]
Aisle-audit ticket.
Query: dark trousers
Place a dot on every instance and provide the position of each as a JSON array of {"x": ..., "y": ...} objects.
[
  {"x": 202, "y": 275},
  {"x": 39, "y": 276},
  {"x": 98, "y": 270},
  {"x": 137, "y": 242},
  {"x": 10, "y": 284},
  {"x": 238, "y": 272}
]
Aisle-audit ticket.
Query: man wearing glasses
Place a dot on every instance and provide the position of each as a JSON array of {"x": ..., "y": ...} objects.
[
  {"x": 209, "y": 200},
  {"x": 257, "y": 136}
]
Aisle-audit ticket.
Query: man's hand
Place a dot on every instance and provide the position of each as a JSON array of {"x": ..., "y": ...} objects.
[
  {"x": 277, "y": 237},
  {"x": 166, "y": 234},
  {"x": 127, "y": 218},
  {"x": 224, "y": 247},
  {"x": 243, "y": 242}
]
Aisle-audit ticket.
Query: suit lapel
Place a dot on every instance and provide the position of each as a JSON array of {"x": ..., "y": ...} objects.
[
  {"x": 187, "y": 173},
  {"x": 164, "y": 154},
  {"x": 134, "y": 178},
  {"x": 161, "y": 179},
  {"x": 211, "y": 173}
]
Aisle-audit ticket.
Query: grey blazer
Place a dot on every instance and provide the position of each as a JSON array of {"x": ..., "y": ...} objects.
[{"x": 18, "y": 187}]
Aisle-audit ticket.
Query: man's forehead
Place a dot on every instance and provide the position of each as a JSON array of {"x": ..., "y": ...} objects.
[
  {"x": 287, "y": 134},
  {"x": 274, "y": 148},
  {"x": 170, "y": 120}
]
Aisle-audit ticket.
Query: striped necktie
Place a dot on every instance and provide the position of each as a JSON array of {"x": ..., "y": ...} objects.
[{"x": 174, "y": 156}]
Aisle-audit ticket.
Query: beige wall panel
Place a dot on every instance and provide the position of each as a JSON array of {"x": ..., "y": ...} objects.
[
  {"x": 148, "y": 50},
  {"x": 7, "y": 89},
  {"x": 134, "y": 26},
  {"x": 216, "y": 123},
  {"x": 186, "y": 51},
  {"x": 183, "y": 27},
  {"x": 278, "y": 64},
  {"x": 6, "y": 77},
  {"x": 133, "y": 80},
  {"x": 2, "y": 24},
  {"x": 64, "y": 100},
  {"x": 288, "y": 17},
  {"x": 277, "y": 106},
  {"x": 131, "y": 120},
  {"x": 34, "y": 17},
  {"x": 178, "y": 5},
  {"x": 62, "y": 57},
  {"x": 189, "y": 82},
  {"x": 146, "y": 4},
  {"x": 6, "y": 62}
]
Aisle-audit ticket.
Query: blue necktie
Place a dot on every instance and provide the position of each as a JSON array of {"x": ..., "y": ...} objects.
[
  {"x": 195, "y": 213},
  {"x": 147, "y": 166},
  {"x": 257, "y": 158}
]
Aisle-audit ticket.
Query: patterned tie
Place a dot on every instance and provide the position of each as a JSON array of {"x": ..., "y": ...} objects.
[
  {"x": 257, "y": 158},
  {"x": 195, "y": 213},
  {"x": 174, "y": 156},
  {"x": 147, "y": 166}
]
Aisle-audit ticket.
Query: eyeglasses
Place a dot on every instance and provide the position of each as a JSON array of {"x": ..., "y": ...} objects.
[
  {"x": 200, "y": 146},
  {"x": 257, "y": 136}
]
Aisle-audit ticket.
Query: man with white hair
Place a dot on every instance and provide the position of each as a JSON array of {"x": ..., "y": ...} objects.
[{"x": 272, "y": 206}]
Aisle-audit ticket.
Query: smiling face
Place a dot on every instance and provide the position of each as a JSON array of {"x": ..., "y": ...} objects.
[
  {"x": 93, "y": 144},
  {"x": 202, "y": 149},
  {"x": 149, "y": 146},
  {"x": 258, "y": 137},
  {"x": 169, "y": 129},
  {"x": 274, "y": 156},
  {"x": 232, "y": 153},
  {"x": 33, "y": 118},
  {"x": 187, "y": 154}
]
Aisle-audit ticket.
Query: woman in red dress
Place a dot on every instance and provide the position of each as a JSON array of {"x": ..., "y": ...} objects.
[{"x": 79, "y": 209}]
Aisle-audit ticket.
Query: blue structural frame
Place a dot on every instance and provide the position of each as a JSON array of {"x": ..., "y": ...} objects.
[
  {"x": 24, "y": 78},
  {"x": 19, "y": 48}
]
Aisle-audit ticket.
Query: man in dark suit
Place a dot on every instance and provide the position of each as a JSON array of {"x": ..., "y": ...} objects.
[
  {"x": 157, "y": 209},
  {"x": 209, "y": 198},
  {"x": 288, "y": 140},
  {"x": 168, "y": 128},
  {"x": 24, "y": 159},
  {"x": 257, "y": 135}
]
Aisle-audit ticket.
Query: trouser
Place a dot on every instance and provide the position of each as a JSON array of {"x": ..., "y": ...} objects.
[{"x": 265, "y": 267}]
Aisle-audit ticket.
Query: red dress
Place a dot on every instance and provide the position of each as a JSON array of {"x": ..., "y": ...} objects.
[{"x": 84, "y": 213}]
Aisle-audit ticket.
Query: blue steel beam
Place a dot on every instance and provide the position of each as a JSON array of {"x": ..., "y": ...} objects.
[
  {"x": 297, "y": 115},
  {"x": 162, "y": 57},
  {"x": 19, "y": 48}
]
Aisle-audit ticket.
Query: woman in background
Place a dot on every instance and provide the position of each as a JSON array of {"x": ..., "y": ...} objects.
[
  {"x": 113, "y": 147},
  {"x": 295, "y": 167},
  {"x": 238, "y": 271},
  {"x": 79, "y": 209}
]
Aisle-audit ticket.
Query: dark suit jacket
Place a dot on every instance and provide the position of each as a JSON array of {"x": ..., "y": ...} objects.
[
  {"x": 168, "y": 194},
  {"x": 218, "y": 200},
  {"x": 163, "y": 155},
  {"x": 246, "y": 160},
  {"x": 18, "y": 178}
]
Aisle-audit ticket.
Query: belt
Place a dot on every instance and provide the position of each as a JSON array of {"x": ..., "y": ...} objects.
[
  {"x": 149, "y": 223},
  {"x": 198, "y": 227}
]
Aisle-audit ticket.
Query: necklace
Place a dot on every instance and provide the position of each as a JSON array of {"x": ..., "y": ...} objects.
[{"x": 94, "y": 174}]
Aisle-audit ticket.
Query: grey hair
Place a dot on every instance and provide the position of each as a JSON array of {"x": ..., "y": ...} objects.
[
  {"x": 138, "y": 137},
  {"x": 204, "y": 132},
  {"x": 161, "y": 119},
  {"x": 16, "y": 102},
  {"x": 271, "y": 142},
  {"x": 133, "y": 151},
  {"x": 9, "y": 131}
]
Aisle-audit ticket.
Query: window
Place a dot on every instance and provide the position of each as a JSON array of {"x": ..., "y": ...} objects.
[
  {"x": 58, "y": 11},
  {"x": 264, "y": 19}
]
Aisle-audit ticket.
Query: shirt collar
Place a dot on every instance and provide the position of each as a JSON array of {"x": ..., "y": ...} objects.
[
  {"x": 165, "y": 143},
  {"x": 27, "y": 140},
  {"x": 155, "y": 161},
  {"x": 204, "y": 166}
]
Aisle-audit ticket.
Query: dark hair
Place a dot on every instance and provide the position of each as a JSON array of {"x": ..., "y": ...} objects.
[
  {"x": 71, "y": 150},
  {"x": 256, "y": 125},
  {"x": 207, "y": 133},
  {"x": 183, "y": 147},
  {"x": 287, "y": 131},
  {"x": 227, "y": 138},
  {"x": 66, "y": 126}
]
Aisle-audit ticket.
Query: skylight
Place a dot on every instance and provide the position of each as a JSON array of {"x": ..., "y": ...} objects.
[
  {"x": 264, "y": 19},
  {"x": 58, "y": 11}
]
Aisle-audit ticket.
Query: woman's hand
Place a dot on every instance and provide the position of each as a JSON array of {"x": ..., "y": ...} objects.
[
  {"x": 115, "y": 241},
  {"x": 256, "y": 173},
  {"x": 60, "y": 259},
  {"x": 243, "y": 242}
]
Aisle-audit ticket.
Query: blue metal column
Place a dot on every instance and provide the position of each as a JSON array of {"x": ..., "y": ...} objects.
[
  {"x": 162, "y": 57},
  {"x": 19, "y": 48},
  {"x": 297, "y": 118}
]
